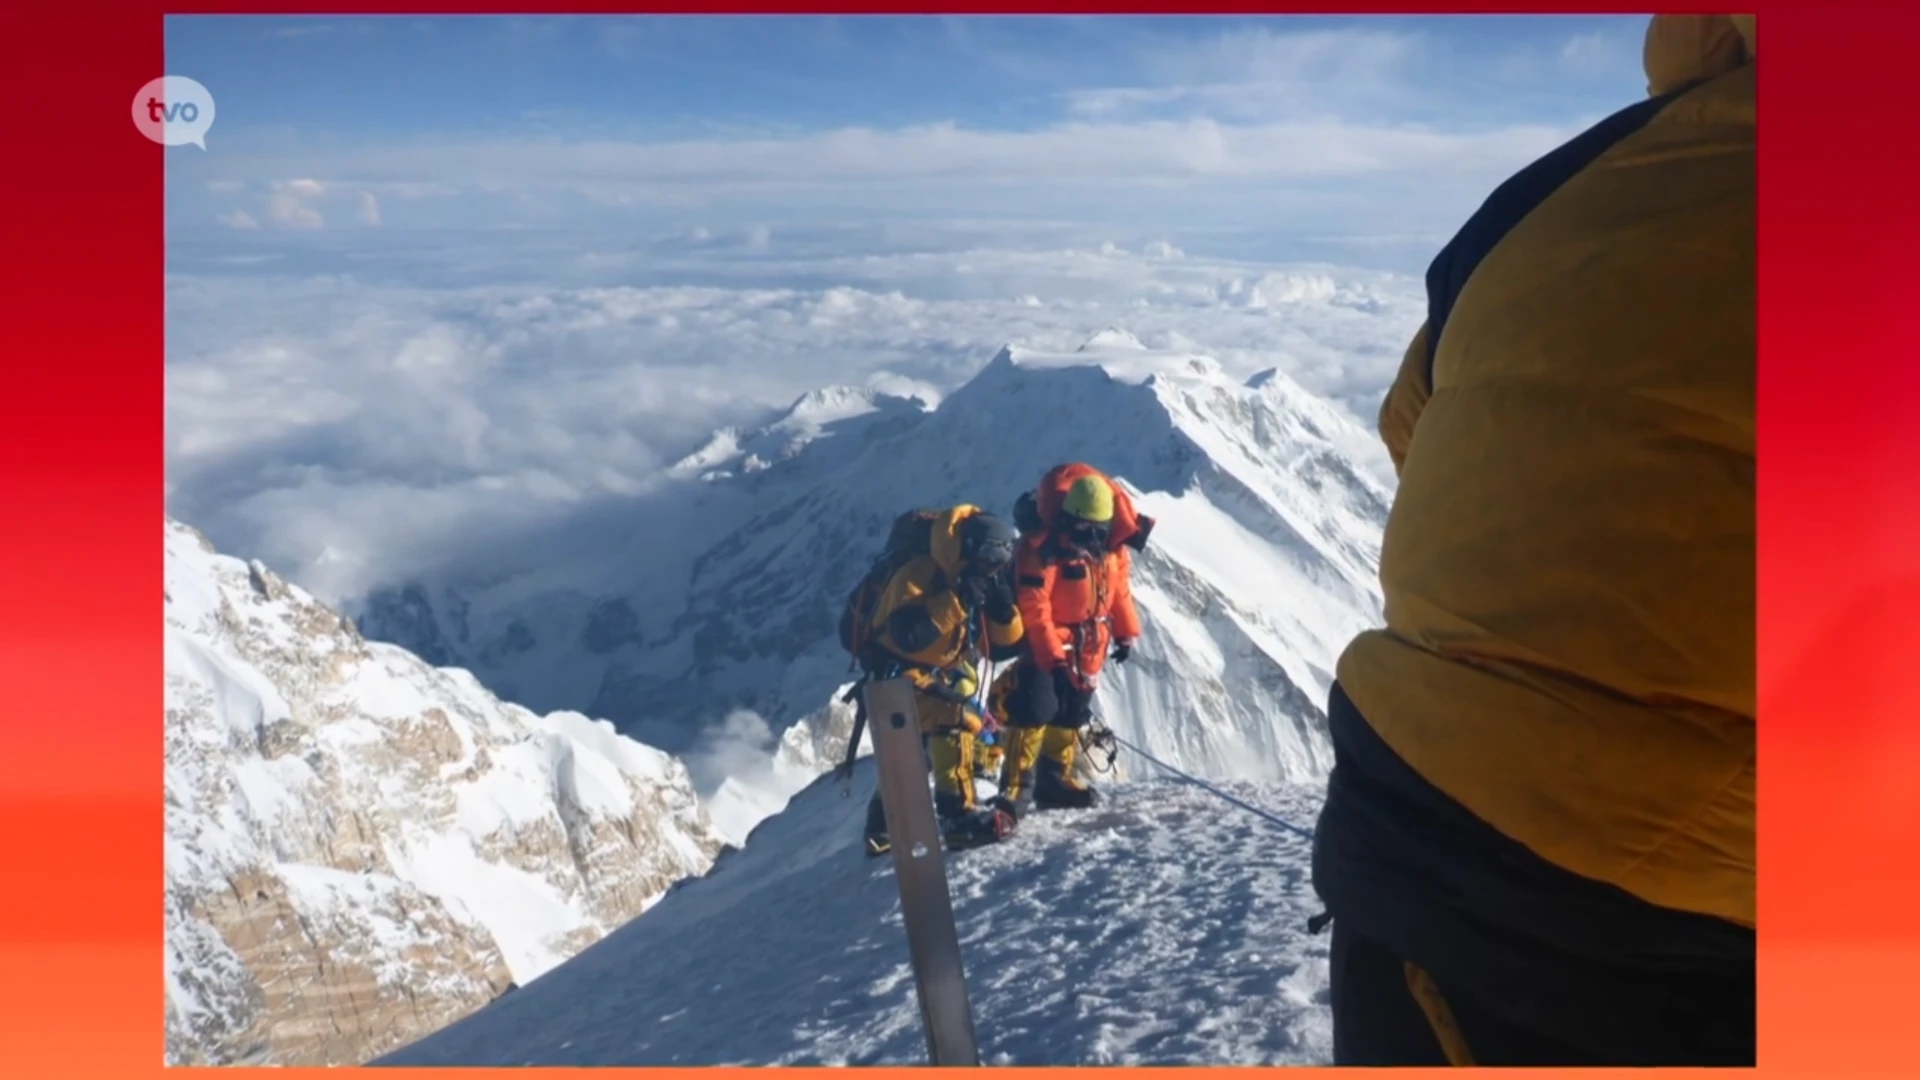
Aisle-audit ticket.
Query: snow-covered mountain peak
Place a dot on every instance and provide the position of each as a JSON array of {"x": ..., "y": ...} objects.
[
  {"x": 818, "y": 407},
  {"x": 1107, "y": 404},
  {"x": 361, "y": 847},
  {"x": 1123, "y": 359},
  {"x": 1113, "y": 337},
  {"x": 818, "y": 414}
]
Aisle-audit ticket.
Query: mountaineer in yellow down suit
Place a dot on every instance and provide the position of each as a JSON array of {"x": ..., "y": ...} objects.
[
  {"x": 936, "y": 606},
  {"x": 1537, "y": 846}
]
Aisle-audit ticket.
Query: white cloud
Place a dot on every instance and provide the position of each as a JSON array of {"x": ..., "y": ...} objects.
[
  {"x": 740, "y": 746},
  {"x": 1267, "y": 75},
  {"x": 1103, "y": 154},
  {"x": 1358, "y": 178},
  {"x": 369, "y": 208},
  {"x": 239, "y": 219},
  {"x": 290, "y": 204},
  {"x": 1600, "y": 51},
  {"x": 352, "y": 429},
  {"x": 426, "y": 190}
]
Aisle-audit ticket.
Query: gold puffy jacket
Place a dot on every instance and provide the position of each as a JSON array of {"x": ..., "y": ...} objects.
[
  {"x": 922, "y": 622},
  {"x": 1569, "y": 563}
]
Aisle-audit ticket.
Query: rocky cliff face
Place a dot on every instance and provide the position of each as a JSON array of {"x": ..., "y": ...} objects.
[{"x": 361, "y": 847}]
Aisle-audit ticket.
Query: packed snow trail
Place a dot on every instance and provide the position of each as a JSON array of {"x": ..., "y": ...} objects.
[{"x": 1161, "y": 928}]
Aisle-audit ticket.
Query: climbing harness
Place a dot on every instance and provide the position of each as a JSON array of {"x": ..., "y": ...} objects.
[{"x": 1083, "y": 630}]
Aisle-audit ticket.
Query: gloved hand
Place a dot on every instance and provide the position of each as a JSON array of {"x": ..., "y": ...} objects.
[
  {"x": 990, "y": 591},
  {"x": 998, "y": 598},
  {"x": 1121, "y": 651},
  {"x": 971, "y": 589}
]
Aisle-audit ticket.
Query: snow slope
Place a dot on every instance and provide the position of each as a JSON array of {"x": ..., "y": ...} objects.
[
  {"x": 361, "y": 847},
  {"x": 1164, "y": 928}
]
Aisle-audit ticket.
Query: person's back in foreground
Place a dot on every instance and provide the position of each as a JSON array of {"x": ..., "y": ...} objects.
[{"x": 1538, "y": 842}]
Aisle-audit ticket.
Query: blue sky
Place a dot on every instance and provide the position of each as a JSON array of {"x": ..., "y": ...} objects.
[
  {"x": 660, "y": 76},
  {"x": 1367, "y": 125}
]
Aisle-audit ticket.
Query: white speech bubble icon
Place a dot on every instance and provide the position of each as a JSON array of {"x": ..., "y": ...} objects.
[{"x": 174, "y": 110}]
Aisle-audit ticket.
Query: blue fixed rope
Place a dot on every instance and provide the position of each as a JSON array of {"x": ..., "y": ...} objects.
[{"x": 1216, "y": 792}]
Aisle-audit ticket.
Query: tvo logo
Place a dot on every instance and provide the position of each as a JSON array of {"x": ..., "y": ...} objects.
[{"x": 174, "y": 110}]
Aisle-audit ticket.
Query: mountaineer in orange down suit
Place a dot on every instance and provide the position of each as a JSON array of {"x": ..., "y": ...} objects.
[
  {"x": 1537, "y": 846},
  {"x": 1071, "y": 578}
]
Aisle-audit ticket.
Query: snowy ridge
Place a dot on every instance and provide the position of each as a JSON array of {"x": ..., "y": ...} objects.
[
  {"x": 1270, "y": 505},
  {"x": 1165, "y": 928},
  {"x": 361, "y": 847},
  {"x": 814, "y": 416}
]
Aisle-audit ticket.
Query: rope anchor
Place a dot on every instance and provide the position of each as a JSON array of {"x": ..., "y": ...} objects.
[{"x": 1095, "y": 739}]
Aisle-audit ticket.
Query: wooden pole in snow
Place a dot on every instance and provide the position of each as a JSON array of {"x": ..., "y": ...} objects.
[{"x": 919, "y": 866}]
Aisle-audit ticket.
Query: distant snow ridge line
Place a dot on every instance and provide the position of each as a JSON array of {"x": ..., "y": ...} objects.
[
  {"x": 360, "y": 847},
  {"x": 732, "y": 451},
  {"x": 1270, "y": 504}
]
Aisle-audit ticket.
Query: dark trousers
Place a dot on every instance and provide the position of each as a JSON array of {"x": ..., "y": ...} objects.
[
  {"x": 1378, "y": 1020},
  {"x": 1034, "y": 702},
  {"x": 1537, "y": 965}
]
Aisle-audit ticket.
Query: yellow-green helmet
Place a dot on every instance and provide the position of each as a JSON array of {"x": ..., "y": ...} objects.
[{"x": 1089, "y": 499}]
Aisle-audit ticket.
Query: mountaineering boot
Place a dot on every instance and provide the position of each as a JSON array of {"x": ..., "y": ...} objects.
[
  {"x": 877, "y": 841},
  {"x": 963, "y": 823},
  {"x": 1055, "y": 787},
  {"x": 951, "y": 805},
  {"x": 1017, "y": 767},
  {"x": 973, "y": 828}
]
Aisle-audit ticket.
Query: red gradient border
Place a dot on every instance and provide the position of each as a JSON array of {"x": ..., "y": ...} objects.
[{"x": 81, "y": 991}]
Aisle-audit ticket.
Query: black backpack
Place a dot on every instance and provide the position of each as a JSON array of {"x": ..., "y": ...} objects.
[
  {"x": 910, "y": 537},
  {"x": 1026, "y": 515}
]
